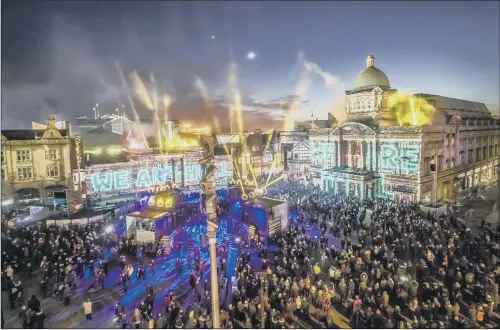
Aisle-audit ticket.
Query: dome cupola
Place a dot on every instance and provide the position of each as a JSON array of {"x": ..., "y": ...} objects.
[{"x": 370, "y": 77}]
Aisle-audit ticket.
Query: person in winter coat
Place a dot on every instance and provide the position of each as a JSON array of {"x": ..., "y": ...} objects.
[
  {"x": 34, "y": 303},
  {"x": 151, "y": 322},
  {"x": 39, "y": 319},
  {"x": 385, "y": 299},
  {"x": 160, "y": 322},
  {"x": 480, "y": 315},
  {"x": 191, "y": 322},
  {"x": 66, "y": 294},
  {"x": 87, "y": 309}
]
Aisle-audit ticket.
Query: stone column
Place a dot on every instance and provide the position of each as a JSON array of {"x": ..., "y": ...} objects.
[
  {"x": 362, "y": 153},
  {"x": 213, "y": 277},
  {"x": 336, "y": 153},
  {"x": 362, "y": 186},
  {"x": 370, "y": 155},
  {"x": 349, "y": 153},
  {"x": 339, "y": 153}
]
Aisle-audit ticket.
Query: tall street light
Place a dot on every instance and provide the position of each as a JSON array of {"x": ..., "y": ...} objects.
[{"x": 207, "y": 183}]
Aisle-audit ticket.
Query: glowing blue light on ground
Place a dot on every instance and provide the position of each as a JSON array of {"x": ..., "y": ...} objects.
[{"x": 193, "y": 233}]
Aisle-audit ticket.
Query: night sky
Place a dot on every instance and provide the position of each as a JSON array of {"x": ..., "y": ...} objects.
[{"x": 61, "y": 57}]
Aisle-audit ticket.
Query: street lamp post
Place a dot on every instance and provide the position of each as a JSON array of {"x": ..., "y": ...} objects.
[{"x": 207, "y": 183}]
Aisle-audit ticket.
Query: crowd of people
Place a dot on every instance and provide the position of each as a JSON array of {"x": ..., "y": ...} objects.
[
  {"x": 379, "y": 263},
  {"x": 397, "y": 269},
  {"x": 58, "y": 255}
]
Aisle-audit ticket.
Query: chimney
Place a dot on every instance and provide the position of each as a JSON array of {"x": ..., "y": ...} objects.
[{"x": 67, "y": 126}]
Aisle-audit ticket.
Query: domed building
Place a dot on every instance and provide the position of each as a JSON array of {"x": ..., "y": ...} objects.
[
  {"x": 370, "y": 77},
  {"x": 371, "y": 155},
  {"x": 367, "y": 99}
]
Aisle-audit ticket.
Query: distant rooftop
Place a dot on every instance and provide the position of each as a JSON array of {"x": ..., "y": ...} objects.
[
  {"x": 451, "y": 106},
  {"x": 266, "y": 202},
  {"x": 100, "y": 137},
  {"x": 27, "y": 134}
]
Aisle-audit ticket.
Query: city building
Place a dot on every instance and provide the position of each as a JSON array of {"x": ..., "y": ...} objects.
[
  {"x": 35, "y": 162},
  {"x": 377, "y": 152},
  {"x": 295, "y": 147},
  {"x": 263, "y": 155},
  {"x": 116, "y": 123},
  {"x": 318, "y": 123}
]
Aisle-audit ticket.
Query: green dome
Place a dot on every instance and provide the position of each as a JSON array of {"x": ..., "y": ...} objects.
[{"x": 370, "y": 77}]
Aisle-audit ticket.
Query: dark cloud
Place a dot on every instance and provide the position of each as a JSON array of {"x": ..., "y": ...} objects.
[
  {"x": 73, "y": 71},
  {"x": 278, "y": 108},
  {"x": 72, "y": 81}
]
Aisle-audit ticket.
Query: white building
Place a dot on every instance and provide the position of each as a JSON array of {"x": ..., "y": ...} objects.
[{"x": 373, "y": 154}]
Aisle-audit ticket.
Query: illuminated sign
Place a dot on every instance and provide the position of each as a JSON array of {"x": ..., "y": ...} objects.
[
  {"x": 321, "y": 152},
  {"x": 400, "y": 157},
  {"x": 267, "y": 157},
  {"x": 153, "y": 172}
]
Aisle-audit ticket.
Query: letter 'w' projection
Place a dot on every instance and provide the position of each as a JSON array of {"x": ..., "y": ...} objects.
[{"x": 103, "y": 183}]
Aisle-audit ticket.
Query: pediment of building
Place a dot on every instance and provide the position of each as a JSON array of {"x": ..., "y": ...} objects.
[
  {"x": 354, "y": 128},
  {"x": 52, "y": 133}
]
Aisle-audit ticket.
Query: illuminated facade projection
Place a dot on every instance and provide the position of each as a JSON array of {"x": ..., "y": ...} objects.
[
  {"x": 389, "y": 140},
  {"x": 154, "y": 172}
]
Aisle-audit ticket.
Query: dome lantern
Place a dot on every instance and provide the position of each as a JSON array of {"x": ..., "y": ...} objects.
[{"x": 370, "y": 61}]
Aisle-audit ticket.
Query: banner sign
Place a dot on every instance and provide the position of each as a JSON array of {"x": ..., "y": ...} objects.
[{"x": 149, "y": 173}]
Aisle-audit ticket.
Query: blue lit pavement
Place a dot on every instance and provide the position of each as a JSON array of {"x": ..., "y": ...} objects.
[{"x": 165, "y": 280}]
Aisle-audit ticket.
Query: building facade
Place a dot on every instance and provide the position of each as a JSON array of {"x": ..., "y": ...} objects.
[
  {"x": 37, "y": 161},
  {"x": 262, "y": 154},
  {"x": 374, "y": 155}
]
